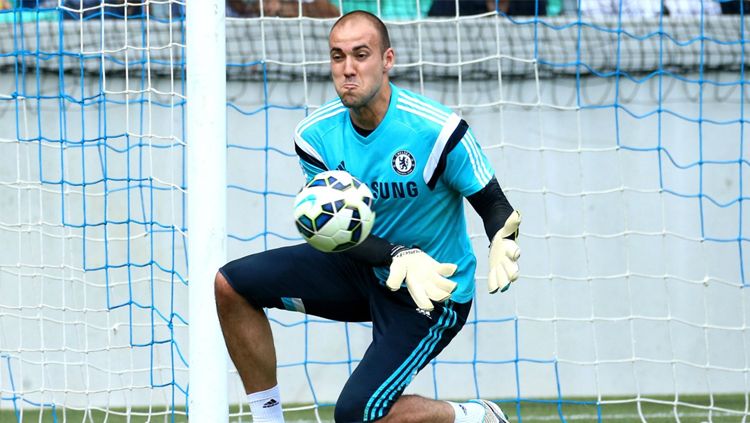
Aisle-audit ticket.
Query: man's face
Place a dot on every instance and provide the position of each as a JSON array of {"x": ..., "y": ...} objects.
[{"x": 358, "y": 66}]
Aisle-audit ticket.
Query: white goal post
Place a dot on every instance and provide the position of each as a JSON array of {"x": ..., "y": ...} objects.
[{"x": 207, "y": 201}]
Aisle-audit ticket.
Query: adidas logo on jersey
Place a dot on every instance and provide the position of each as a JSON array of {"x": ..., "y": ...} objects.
[
  {"x": 270, "y": 403},
  {"x": 424, "y": 313}
]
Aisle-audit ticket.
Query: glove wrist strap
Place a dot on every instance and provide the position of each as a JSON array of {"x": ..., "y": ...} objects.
[
  {"x": 510, "y": 229},
  {"x": 398, "y": 249}
]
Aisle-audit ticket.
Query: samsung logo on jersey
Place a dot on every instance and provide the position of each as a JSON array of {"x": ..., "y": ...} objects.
[{"x": 387, "y": 190}]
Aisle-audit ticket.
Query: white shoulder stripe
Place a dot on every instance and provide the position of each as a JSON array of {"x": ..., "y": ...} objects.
[
  {"x": 325, "y": 109},
  {"x": 317, "y": 118},
  {"x": 477, "y": 162},
  {"x": 421, "y": 114},
  {"x": 420, "y": 107},
  {"x": 478, "y": 149},
  {"x": 437, "y": 149},
  {"x": 422, "y": 104},
  {"x": 477, "y": 175},
  {"x": 424, "y": 109},
  {"x": 328, "y": 106},
  {"x": 322, "y": 110},
  {"x": 480, "y": 170},
  {"x": 311, "y": 120}
]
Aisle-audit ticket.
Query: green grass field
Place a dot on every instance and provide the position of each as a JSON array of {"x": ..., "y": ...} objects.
[{"x": 726, "y": 409}]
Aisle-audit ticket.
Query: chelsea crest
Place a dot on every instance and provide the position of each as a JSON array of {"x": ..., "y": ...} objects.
[{"x": 403, "y": 162}]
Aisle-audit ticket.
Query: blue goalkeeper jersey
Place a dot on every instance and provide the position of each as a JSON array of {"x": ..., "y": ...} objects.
[{"x": 419, "y": 162}]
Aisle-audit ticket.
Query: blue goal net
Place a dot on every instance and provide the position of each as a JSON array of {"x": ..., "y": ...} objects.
[{"x": 618, "y": 131}]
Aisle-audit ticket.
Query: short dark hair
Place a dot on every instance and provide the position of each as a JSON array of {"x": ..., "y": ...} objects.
[{"x": 385, "y": 40}]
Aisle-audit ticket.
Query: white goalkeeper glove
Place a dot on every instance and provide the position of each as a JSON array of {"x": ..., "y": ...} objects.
[
  {"x": 504, "y": 254},
  {"x": 424, "y": 277}
]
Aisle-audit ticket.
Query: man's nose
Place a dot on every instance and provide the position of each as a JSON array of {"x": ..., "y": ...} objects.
[{"x": 349, "y": 66}]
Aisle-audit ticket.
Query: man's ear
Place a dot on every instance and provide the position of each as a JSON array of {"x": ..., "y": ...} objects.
[{"x": 389, "y": 58}]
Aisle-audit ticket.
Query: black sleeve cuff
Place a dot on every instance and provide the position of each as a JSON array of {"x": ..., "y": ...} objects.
[
  {"x": 374, "y": 251},
  {"x": 492, "y": 206}
]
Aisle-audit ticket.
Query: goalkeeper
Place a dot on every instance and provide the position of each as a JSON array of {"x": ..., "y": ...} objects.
[{"x": 413, "y": 278}]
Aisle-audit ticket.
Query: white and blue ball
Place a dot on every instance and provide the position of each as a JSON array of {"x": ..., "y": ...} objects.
[{"x": 333, "y": 211}]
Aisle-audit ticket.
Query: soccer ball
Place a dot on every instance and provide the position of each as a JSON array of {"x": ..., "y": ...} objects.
[{"x": 332, "y": 212}]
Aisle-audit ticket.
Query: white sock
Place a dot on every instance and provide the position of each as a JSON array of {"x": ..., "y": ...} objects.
[
  {"x": 467, "y": 412},
  {"x": 266, "y": 406}
]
